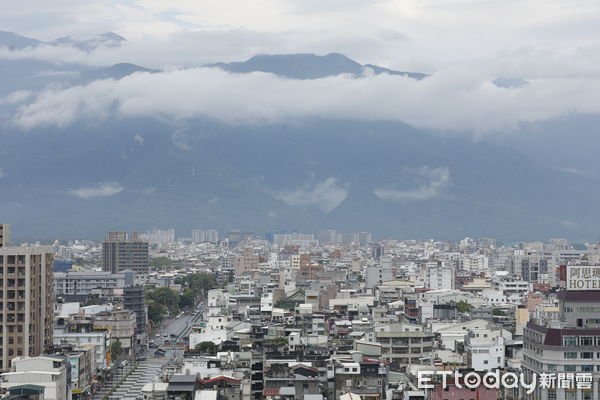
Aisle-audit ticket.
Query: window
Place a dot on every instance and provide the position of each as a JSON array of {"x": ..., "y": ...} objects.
[
  {"x": 586, "y": 341},
  {"x": 570, "y": 354},
  {"x": 570, "y": 368}
]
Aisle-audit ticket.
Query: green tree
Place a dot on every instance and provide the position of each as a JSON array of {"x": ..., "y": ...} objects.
[
  {"x": 463, "y": 306},
  {"x": 92, "y": 301},
  {"x": 166, "y": 297},
  {"x": 116, "y": 349},
  {"x": 180, "y": 280},
  {"x": 156, "y": 311},
  {"x": 278, "y": 341},
  {"x": 198, "y": 283},
  {"x": 201, "y": 281},
  {"x": 498, "y": 312},
  {"x": 187, "y": 299},
  {"x": 206, "y": 347},
  {"x": 160, "y": 262}
]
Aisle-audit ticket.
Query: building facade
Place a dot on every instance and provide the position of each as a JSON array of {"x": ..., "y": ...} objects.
[
  {"x": 82, "y": 283},
  {"x": 26, "y": 276},
  {"x": 568, "y": 346},
  {"x": 121, "y": 252}
]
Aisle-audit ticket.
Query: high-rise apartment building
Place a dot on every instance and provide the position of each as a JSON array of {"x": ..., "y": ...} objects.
[
  {"x": 534, "y": 268},
  {"x": 437, "y": 276},
  {"x": 377, "y": 250},
  {"x": 207, "y": 236},
  {"x": 362, "y": 238},
  {"x": 133, "y": 299},
  {"x": 25, "y": 301},
  {"x": 121, "y": 252},
  {"x": 159, "y": 236},
  {"x": 328, "y": 236}
]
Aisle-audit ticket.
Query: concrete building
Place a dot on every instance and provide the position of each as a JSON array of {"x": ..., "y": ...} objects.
[
  {"x": 81, "y": 361},
  {"x": 328, "y": 236},
  {"x": 25, "y": 301},
  {"x": 133, "y": 299},
  {"x": 534, "y": 269},
  {"x": 75, "y": 283},
  {"x": 120, "y": 253},
  {"x": 484, "y": 349},
  {"x": 207, "y": 236},
  {"x": 309, "y": 271},
  {"x": 160, "y": 236},
  {"x": 362, "y": 238},
  {"x": 121, "y": 324},
  {"x": 377, "y": 274},
  {"x": 367, "y": 379},
  {"x": 566, "y": 346},
  {"x": 437, "y": 276},
  {"x": 405, "y": 344},
  {"x": 214, "y": 330},
  {"x": 245, "y": 263},
  {"x": 99, "y": 341},
  {"x": 48, "y": 371}
]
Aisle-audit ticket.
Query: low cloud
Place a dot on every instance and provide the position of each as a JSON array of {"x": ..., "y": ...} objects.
[
  {"x": 451, "y": 100},
  {"x": 138, "y": 139},
  {"x": 438, "y": 180},
  {"x": 325, "y": 195},
  {"x": 575, "y": 171},
  {"x": 100, "y": 190},
  {"x": 17, "y": 97}
]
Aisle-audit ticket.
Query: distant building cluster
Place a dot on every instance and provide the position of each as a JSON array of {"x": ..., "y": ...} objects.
[{"x": 291, "y": 315}]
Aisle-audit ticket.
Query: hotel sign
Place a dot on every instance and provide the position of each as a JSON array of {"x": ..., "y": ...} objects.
[{"x": 583, "y": 277}]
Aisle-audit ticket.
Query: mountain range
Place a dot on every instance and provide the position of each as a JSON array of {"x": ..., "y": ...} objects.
[{"x": 386, "y": 177}]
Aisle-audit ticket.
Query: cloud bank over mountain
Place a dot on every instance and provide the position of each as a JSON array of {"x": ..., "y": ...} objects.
[
  {"x": 160, "y": 121},
  {"x": 453, "y": 100}
]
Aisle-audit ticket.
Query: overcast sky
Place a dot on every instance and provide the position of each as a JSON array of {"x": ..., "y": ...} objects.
[
  {"x": 554, "y": 44},
  {"x": 531, "y": 38}
]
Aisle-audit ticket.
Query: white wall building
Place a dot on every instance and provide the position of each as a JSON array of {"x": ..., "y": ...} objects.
[
  {"x": 437, "y": 276},
  {"x": 484, "y": 349},
  {"x": 99, "y": 340},
  {"x": 47, "y": 371}
]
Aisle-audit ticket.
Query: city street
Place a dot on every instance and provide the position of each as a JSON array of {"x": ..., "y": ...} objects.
[
  {"x": 130, "y": 388},
  {"x": 180, "y": 328}
]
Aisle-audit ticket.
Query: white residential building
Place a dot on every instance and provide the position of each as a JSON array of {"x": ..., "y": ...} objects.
[
  {"x": 484, "y": 349},
  {"x": 47, "y": 371},
  {"x": 99, "y": 340}
]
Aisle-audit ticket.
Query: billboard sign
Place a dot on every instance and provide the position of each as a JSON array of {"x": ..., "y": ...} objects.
[{"x": 583, "y": 277}]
